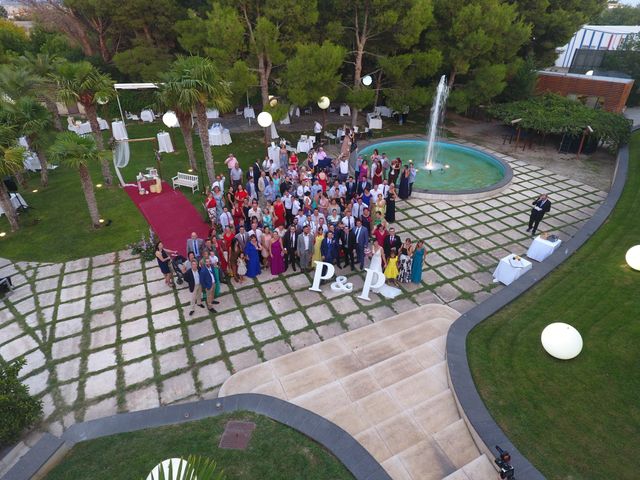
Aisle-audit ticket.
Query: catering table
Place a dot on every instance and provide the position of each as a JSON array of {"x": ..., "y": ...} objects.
[
  {"x": 17, "y": 201},
  {"x": 119, "y": 130},
  {"x": 219, "y": 136},
  {"x": 249, "y": 112},
  {"x": 540, "y": 248},
  {"x": 509, "y": 269},
  {"x": 213, "y": 113},
  {"x": 374, "y": 121},
  {"x": 164, "y": 142},
  {"x": 147, "y": 115},
  {"x": 345, "y": 110},
  {"x": 304, "y": 145},
  {"x": 383, "y": 111}
]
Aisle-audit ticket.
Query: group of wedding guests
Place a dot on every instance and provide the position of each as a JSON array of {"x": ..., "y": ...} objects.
[{"x": 289, "y": 213}]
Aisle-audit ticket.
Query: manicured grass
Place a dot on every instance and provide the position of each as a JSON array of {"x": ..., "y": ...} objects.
[
  {"x": 577, "y": 419},
  {"x": 275, "y": 452}
]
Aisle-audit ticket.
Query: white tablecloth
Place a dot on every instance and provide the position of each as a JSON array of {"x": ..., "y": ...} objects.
[
  {"x": 374, "y": 122},
  {"x": 249, "y": 113},
  {"x": 345, "y": 110},
  {"x": 119, "y": 130},
  {"x": 17, "y": 201},
  {"x": 104, "y": 125},
  {"x": 304, "y": 145},
  {"x": 219, "y": 136},
  {"x": 509, "y": 270},
  {"x": 213, "y": 113},
  {"x": 274, "y": 154},
  {"x": 164, "y": 142},
  {"x": 383, "y": 111},
  {"x": 540, "y": 249},
  {"x": 147, "y": 116}
]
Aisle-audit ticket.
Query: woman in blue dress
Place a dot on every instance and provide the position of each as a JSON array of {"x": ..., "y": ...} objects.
[
  {"x": 417, "y": 261},
  {"x": 252, "y": 251}
]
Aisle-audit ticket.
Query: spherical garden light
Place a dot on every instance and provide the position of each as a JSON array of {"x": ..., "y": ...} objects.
[
  {"x": 561, "y": 340},
  {"x": 633, "y": 257},
  {"x": 273, "y": 101},
  {"x": 367, "y": 80},
  {"x": 324, "y": 103},
  {"x": 170, "y": 119},
  {"x": 265, "y": 119}
]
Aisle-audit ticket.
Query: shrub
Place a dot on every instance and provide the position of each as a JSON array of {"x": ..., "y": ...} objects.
[{"x": 18, "y": 409}]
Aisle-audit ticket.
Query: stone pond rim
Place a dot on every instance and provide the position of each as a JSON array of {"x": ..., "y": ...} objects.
[{"x": 496, "y": 173}]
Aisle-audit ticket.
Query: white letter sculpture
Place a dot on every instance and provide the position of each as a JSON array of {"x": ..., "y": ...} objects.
[
  {"x": 318, "y": 277},
  {"x": 374, "y": 279}
]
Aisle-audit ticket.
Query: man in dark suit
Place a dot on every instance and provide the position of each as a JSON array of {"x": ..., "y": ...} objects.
[
  {"x": 242, "y": 237},
  {"x": 362, "y": 186},
  {"x": 541, "y": 205},
  {"x": 208, "y": 282},
  {"x": 195, "y": 245},
  {"x": 192, "y": 277},
  {"x": 347, "y": 244},
  {"x": 329, "y": 248},
  {"x": 289, "y": 240},
  {"x": 391, "y": 241},
  {"x": 351, "y": 188},
  {"x": 361, "y": 235},
  {"x": 256, "y": 173}
]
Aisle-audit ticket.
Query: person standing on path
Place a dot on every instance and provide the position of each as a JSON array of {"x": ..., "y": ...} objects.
[
  {"x": 192, "y": 277},
  {"x": 540, "y": 206},
  {"x": 208, "y": 280},
  {"x": 305, "y": 248}
]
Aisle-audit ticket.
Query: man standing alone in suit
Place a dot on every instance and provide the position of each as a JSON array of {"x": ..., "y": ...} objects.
[
  {"x": 305, "y": 248},
  {"x": 391, "y": 241},
  {"x": 290, "y": 242},
  {"x": 540, "y": 206}
]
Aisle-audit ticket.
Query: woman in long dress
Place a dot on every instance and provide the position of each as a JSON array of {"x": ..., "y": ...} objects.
[
  {"x": 396, "y": 164},
  {"x": 277, "y": 255},
  {"x": 317, "y": 254},
  {"x": 234, "y": 254},
  {"x": 266, "y": 240},
  {"x": 390, "y": 213},
  {"x": 404, "y": 262},
  {"x": 377, "y": 257},
  {"x": 416, "y": 262},
  {"x": 252, "y": 251},
  {"x": 163, "y": 258},
  {"x": 404, "y": 183}
]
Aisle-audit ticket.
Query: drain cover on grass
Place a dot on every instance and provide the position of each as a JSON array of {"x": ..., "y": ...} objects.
[{"x": 236, "y": 435}]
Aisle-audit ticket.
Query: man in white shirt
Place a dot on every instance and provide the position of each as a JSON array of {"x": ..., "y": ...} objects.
[
  {"x": 226, "y": 219},
  {"x": 255, "y": 230},
  {"x": 219, "y": 182},
  {"x": 319, "y": 226},
  {"x": 343, "y": 169},
  {"x": 358, "y": 208},
  {"x": 287, "y": 200},
  {"x": 349, "y": 220},
  {"x": 236, "y": 176},
  {"x": 231, "y": 162},
  {"x": 255, "y": 211}
]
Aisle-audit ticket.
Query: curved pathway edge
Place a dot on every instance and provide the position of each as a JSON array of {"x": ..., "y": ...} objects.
[
  {"x": 478, "y": 417},
  {"x": 50, "y": 449}
]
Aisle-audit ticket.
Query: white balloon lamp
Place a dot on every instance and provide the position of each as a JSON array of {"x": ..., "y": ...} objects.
[
  {"x": 324, "y": 103},
  {"x": 561, "y": 340},
  {"x": 273, "y": 101},
  {"x": 265, "y": 119},
  {"x": 175, "y": 464},
  {"x": 633, "y": 257},
  {"x": 367, "y": 80},
  {"x": 170, "y": 119}
]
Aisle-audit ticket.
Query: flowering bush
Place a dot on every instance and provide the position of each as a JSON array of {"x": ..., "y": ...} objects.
[{"x": 146, "y": 248}]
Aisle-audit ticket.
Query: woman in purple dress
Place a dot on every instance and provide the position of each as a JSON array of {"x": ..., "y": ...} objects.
[
  {"x": 277, "y": 255},
  {"x": 252, "y": 251}
]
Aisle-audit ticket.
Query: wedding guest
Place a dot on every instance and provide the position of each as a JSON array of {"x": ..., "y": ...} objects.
[
  {"x": 290, "y": 241},
  {"x": 305, "y": 248},
  {"x": 361, "y": 234},
  {"x": 403, "y": 191},
  {"x": 242, "y": 267},
  {"x": 192, "y": 277},
  {"x": 277, "y": 255},
  {"x": 392, "y": 242},
  {"x": 252, "y": 252},
  {"x": 413, "y": 171},
  {"x": 390, "y": 213},
  {"x": 541, "y": 205},
  {"x": 391, "y": 270},
  {"x": 208, "y": 281},
  {"x": 404, "y": 262},
  {"x": 163, "y": 258},
  {"x": 417, "y": 261}
]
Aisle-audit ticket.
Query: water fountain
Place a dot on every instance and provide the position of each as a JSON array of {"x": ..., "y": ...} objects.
[{"x": 435, "y": 124}]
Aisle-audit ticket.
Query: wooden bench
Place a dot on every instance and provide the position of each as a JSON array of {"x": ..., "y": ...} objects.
[{"x": 186, "y": 180}]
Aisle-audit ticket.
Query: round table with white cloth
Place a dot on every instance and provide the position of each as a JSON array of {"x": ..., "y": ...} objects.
[
  {"x": 147, "y": 115},
  {"x": 510, "y": 269},
  {"x": 249, "y": 112},
  {"x": 219, "y": 136},
  {"x": 304, "y": 145},
  {"x": 164, "y": 142},
  {"x": 541, "y": 248},
  {"x": 119, "y": 130},
  {"x": 383, "y": 111},
  {"x": 213, "y": 113},
  {"x": 345, "y": 110}
]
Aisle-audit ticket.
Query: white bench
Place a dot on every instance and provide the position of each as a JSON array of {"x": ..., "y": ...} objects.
[{"x": 186, "y": 180}]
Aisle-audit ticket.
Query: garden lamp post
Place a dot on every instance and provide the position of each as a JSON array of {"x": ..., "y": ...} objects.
[
  {"x": 265, "y": 120},
  {"x": 324, "y": 103}
]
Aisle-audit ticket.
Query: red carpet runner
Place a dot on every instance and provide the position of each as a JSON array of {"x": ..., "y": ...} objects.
[{"x": 171, "y": 216}]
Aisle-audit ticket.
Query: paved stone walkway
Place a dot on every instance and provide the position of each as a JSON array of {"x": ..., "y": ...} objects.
[
  {"x": 103, "y": 335},
  {"x": 385, "y": 384}
]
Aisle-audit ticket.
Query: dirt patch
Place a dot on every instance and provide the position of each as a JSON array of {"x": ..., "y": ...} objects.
[{"x": 595, "y": 169}]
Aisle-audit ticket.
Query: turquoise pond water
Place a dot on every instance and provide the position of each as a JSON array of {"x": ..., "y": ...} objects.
[{"x": 468, "y": 168}]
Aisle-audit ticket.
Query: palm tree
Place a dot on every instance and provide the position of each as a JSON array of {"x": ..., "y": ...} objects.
[
  {"x": 11, "y": 159},
  {"x": 168, "y": 100},
  {"x": 197, "y": 84},
  {"x": 44, "y": 66},
  {"x": 16, "y": 81},
  {"x": 32, "y": 121},
  {"x": 83, "y": 83},
  {"x": 78, "y": 152}
]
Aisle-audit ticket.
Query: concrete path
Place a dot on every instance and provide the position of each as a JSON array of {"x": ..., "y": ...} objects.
[{"x": 386, "y": 384}]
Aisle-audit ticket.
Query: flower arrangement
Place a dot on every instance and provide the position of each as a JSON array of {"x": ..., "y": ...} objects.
[{"x": 145, "y": 247}]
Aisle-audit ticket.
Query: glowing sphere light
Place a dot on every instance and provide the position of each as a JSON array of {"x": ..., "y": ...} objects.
[{"x": 561, "y": 340}]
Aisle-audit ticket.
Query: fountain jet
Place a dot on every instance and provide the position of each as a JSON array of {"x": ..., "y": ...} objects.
[{"x": 435, "y": 124}]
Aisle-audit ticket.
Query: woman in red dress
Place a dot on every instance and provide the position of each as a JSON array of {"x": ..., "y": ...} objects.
[
  {"x": 377, "y": 177},
  {"x": 241, "y": 194},
  {"x": 380, "y": 233},
  {"x": 293, "y": 160},
  {"x": 222, "y": 251},
  {"x": 279, "y": 213},
  {"x": 238, "y": 215},
  {"x": 322, "y": 180},
  {"x": 227, "y": 238}
]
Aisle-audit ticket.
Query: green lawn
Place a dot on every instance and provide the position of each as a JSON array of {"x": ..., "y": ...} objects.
[
  {"x": 275, "y": 452},
  {"x": 577, "y": 419},
  {"x": 57, "y": 227}
]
